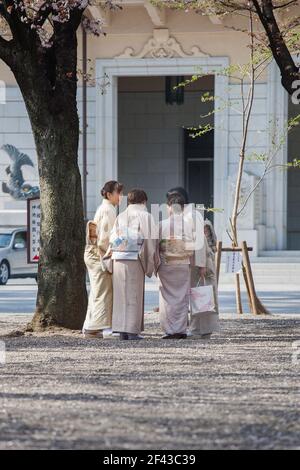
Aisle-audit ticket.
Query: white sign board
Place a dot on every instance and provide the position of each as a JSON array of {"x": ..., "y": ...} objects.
[
  {"x": 33, "y": 229},
  {"x": 233, "y": 262}
]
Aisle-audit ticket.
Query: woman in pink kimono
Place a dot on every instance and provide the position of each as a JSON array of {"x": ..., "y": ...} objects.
[
  {"x": 177, "y": 248},
  {"x": 133, "y": 245},
  {"x": 202, "y": 268}
]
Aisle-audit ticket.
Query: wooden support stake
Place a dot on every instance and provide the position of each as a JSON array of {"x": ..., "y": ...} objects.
[
  {"x": 247, "y": 286},
  {"x": 218, "y": 260},
  {"x": 239, "y": 305},
  {"x": 256, "y": 307},
  {"x": 249, "y": 276}
]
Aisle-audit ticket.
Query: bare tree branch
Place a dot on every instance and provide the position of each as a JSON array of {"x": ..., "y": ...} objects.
[
  {"x": 247, "y": 112},
  {"x": 285, "y": 5}
]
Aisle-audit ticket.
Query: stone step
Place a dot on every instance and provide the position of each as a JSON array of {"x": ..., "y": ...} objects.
[
  {"x": 279, "y": 254},
  {"x": 268, "y": 273}
]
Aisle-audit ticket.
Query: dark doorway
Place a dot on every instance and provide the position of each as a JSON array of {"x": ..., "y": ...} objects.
[
  {"x": 150, "y": 134},
  {"x": 199, "y": 169},
  {"x": 293, "y": 185}
]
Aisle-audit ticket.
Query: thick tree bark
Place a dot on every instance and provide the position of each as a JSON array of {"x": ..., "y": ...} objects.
[
  {"x": 47, "y": 80},
  {"x": 61, "y": 298}
]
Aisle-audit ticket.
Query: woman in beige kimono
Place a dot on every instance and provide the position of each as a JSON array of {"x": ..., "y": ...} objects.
[
  {"x": 133, "y": 248},
  {"x": 178, "y": 249},
  {"x": 98, "y": 320}
]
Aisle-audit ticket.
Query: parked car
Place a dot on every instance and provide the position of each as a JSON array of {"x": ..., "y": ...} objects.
[{"x": 13, "y": 255}]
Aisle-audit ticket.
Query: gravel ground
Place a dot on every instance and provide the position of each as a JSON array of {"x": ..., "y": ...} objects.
[{"x": 238, "y": 391}]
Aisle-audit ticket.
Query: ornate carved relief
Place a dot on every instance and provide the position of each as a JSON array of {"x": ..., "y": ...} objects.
[{"x": 161, "y": 45}]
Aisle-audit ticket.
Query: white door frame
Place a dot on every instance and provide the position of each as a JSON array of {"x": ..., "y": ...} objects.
[{"x": 107, "y": 114}]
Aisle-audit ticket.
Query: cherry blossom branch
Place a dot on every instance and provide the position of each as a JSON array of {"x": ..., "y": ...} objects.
[{"x": 289, "y": 70}]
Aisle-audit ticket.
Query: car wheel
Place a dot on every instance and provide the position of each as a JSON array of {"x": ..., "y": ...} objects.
[{"x": 4, "y": 273}]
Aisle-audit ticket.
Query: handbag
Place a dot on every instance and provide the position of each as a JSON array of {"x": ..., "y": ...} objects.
[
  {"x": 91, "y": 233},
  {"x": 202, "y": 299}
]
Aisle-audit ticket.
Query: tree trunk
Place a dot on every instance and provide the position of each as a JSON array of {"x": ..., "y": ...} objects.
[
  {"x": 278, "y": 44},
  {"x": 61, "y": 298},
  {"x": 49, "y": 87}
]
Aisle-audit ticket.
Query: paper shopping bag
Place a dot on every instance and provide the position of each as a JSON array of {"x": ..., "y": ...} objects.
[{"x": 202, "y": 299}]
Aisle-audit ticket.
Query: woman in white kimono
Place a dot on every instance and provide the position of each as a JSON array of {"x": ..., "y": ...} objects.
[
  {"x": 98, "y": 320},
  {"x": 133, "y": 248},
  {"x": 178, "y": 249}
]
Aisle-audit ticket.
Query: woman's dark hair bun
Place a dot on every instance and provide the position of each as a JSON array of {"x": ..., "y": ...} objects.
[
  {"x": 179, "y": 190},
  {"x": 176, "y": 199},
  {"x": 110, "y": 187},
  {"x": 137, "y": 196}
]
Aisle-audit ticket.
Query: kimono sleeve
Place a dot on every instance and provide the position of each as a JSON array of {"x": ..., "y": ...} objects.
[
  {"x": 105, "y": 226},
  {"x": 149, "y": 252}
]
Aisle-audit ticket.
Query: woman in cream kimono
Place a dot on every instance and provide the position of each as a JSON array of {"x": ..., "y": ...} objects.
[
  {"x": 178, "y": 249},
  {"x": 203, "y": 269},
  {"x": 133, "y": 252},
  {"x": 98, "y": 320}
]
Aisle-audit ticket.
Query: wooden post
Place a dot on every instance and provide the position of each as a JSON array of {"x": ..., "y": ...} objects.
[
  {"x": 249, "y": 276},
  {"x": 218, "y": 260},
  {"x": 246, "y": 284},
  {"x": 239, "y": 305}
]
